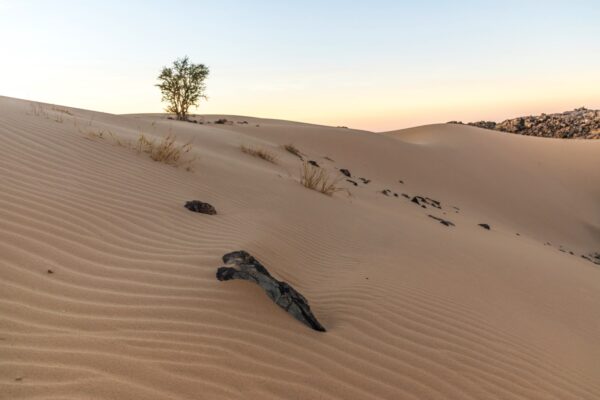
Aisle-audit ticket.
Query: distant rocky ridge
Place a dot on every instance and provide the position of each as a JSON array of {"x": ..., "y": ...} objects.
[{"x": 580, "y": 123}]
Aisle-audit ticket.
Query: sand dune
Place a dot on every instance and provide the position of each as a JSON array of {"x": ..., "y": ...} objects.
[{"x": 414, "y": 309}]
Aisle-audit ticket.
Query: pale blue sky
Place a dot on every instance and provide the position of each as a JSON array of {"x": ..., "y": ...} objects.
[{"x": 374, "y": 65}]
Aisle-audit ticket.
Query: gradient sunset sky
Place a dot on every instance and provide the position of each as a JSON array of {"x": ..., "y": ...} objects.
[{"x": 376, "y": 65}]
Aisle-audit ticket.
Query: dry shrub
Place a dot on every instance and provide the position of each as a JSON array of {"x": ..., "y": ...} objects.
[
  {"x": 61, "y": 110},
  {"x": 260, "y": 153},
  {"x": 290, "y": 148},
  {"x": 166, "y": 150},
  {"x": 317, "y": 178}
]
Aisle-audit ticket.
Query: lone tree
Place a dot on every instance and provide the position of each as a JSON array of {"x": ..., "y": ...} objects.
[{"x": 182, "y": 86}]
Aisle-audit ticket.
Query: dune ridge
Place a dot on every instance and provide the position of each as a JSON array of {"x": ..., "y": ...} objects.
[{"x": 413, "y": 309}]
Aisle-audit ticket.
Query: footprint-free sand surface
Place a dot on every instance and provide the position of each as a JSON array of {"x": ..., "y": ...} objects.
[{"x": 108, "y": 288}]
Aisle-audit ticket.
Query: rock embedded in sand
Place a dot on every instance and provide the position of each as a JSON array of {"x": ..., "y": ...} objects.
[
  {"x": 241, "y": 265},
  {"x": 352, "y": 182},
  {"x": 441, "y": 220},
  {"x": 426, "y": 201},
  {"x": 485, "y": 226},
  {"x": 313, "y": 163},
  {"x": 346, "y": 172},
  {"x": 200, "y": 207}
]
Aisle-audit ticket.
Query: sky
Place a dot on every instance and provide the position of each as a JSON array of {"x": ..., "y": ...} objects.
[{"x": 375, "y": 65}]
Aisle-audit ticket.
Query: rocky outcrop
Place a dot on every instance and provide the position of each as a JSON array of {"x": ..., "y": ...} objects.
[
  {"x": 580, "y": 123},
  {"x": 241, "y": 265}
]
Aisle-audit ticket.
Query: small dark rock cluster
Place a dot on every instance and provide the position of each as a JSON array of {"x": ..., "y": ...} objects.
[
  {"x": 426, "y": 201},
  {"x": 200, "y": 207},
  {"x": 241, "y": 265},
  {"x": 441, "y": 220},
  {"x": 593, "y": 257},
  {"x": 580, "y": 123}
]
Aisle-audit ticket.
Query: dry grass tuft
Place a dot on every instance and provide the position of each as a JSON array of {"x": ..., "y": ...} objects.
[
  {"x": 290, "y": 148},
  {"x": 61, "y": 110},
  {"x": 260, "y": 153},
  {"x": 318, "y": 179},
  {"x": 166, "y": 150}
]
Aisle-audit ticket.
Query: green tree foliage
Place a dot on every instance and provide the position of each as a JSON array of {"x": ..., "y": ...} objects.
[{"x": 182, "y": 86}]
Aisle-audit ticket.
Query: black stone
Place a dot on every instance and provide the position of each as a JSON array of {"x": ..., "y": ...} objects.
[
  {"x": 313, "y": 163},
  {"x": 386, "y": 192},
  {"x": 485, "y": 226},
  {"x": 346, "y": 172},
  {"x": 200, "y": 207},
  {"x": 352, "y": 182},
  {"x": 241, "y": 265},
  {"x": 426, "y": 201},
  {"x": 442, "y": 221},
  {"x": 365, "y": 180}
]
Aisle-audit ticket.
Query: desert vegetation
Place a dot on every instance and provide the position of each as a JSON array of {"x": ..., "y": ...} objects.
[
  {"x": 290, "y": 148},
  {"x": 260, "y": 153},
  {"x": 317, "y": 178},
  {"x": 182, "y": 86},
  {"x": 166, "y": 150}
]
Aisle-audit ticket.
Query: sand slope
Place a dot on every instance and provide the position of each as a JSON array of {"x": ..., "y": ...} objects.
[{"x": 414, "y": 309}]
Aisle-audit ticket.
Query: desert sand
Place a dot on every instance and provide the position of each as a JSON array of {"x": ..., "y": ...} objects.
[{"x": 108, "y": 288}]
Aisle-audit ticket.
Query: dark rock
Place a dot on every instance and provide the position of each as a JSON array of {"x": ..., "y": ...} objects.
[
  {"x": 401, "y": 181},
  {"x": 426, "y": 201},
  {"x": 405, "y": 195},
  {"x": 441, "y": 220},
  {"x": 313, "y": 163},
  {"x": 365, "y": 180},
  {"x": 346, "y": 172},
  {"x": 200, "y": 207},
  {"x": 50, "y": 271},
  {"x": 241, "y": 265},
  {"x": 395, "y": 194},
  {"x": 352, "y": 182},
  {"x": 386, "y": 192},
  {"x": 485, "y": 226},
  {"x": 221, "y": 121},
  {"x": 593, "y": 257}
]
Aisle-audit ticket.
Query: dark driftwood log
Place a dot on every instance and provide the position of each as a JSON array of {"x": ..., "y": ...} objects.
[{"x": 241, "y": 265}]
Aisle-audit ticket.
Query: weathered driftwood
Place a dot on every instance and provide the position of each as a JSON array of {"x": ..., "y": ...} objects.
[{"x": 241, "y": 265}]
